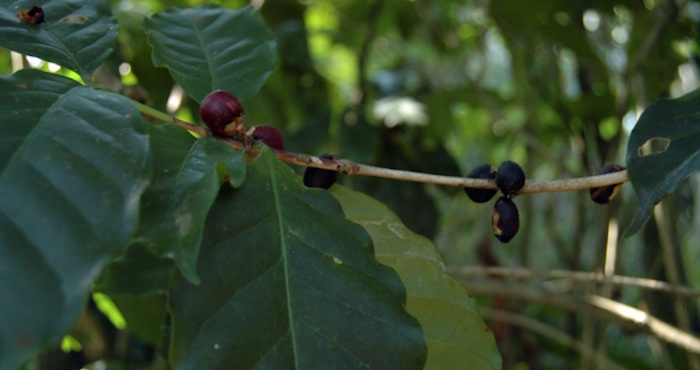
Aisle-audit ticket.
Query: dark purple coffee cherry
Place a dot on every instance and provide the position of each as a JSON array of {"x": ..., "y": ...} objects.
[
  {"x": 485, "y": 171},
  {"x": 269, "y": 135},
  {"x": 505, "y": 219},
  {"x": 510, "y": 178},
  {"x": 605, "y": 194},
  {"x": 318, "y": 177},
  {"x": 221, "y": 112}
]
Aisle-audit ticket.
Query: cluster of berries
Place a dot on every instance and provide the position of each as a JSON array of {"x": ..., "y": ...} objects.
[
  {"x": 509, "y": 178},
  {"x": 223, "y": 113}
]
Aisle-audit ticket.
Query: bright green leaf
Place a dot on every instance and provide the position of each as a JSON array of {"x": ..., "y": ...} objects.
[
  {"x": 210, "y": 47},
  {"x": 287, "y": 282},
  {"x": 187, "y": 176},
  {"x": 74, "y": 164},
  {"x": 455, "y": 332},
  {"x": 663, "y": 150},
  {"x": 78, "y": 35}
]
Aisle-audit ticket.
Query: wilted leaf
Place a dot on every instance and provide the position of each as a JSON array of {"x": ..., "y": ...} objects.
[
  {"x": 187, "y": 176},
  {"x": 287, "y": 282},
  {"x": 74, "y": 163},
  {"x": 78, "y": 35},
  {"x": 663, "y": 150},
  {"x": 210, "y": 47},
  {"x": 456, "y": 335}
]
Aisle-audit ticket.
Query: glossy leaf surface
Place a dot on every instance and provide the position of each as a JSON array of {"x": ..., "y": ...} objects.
[
  {"x": 210, "y": 47},
  {"x": 456, "y": 335},
  {"x": 74, "y": 164},
  {"x": 663, "y": 150},
  {"x": 187, "y": 176},
  {"x": 288, "y": 282},
  {"x": 78, "y": 35}
]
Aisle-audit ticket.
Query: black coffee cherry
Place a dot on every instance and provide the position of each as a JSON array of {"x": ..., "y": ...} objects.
[
  {"x": 605, "y": 194},
  {"x": 485, "y": 171},
  {"x": 505, "y": 219},
  {"x": 318, "y": 177},
  {"x": 221, "y": 112},
  {"x": 510, "y": 178},
  {"x": 269, "y": 135}
]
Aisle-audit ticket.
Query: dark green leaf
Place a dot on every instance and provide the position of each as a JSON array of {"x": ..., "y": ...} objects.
[
  {"x": 187, "y": 176},
  {"x": 663, "y": 150},
  {"x": 74, "y": 163},
  {"x": 210, "y": 47},
  {"x": 455, "y": 332},
  {"x": 287, "y": 282},
  {"x": 137, "y": 272},
  {"x": 78, "y": 35}
]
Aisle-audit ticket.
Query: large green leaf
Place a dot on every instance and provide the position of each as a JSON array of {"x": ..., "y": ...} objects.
[
  {"x": 74, "y": 163},
  {"x": 456, "y": 335},
  {"x": 210, "y": 47},
  {"x": 187, "y": 176},
  {"x": 663, "y": 150},
  {"x": 78, "y": 34},
  {"x": 287, "y": 282}
]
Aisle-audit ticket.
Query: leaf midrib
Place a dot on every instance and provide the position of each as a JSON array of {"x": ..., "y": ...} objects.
[{"x": 285, "y": 258}]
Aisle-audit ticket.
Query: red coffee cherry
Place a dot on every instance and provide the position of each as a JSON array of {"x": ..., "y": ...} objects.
[
  {"x": 269, "y": 135},
  {"x": 221, "y": 112}
]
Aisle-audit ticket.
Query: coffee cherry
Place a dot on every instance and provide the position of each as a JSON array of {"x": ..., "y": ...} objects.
[
  {"x": 505, "y": 219},
  {"x": 318, "y": 177},
  {"x": 269, "y": 135},
  {"x": 221, "y": 112},
  {"x": 510, "y": 178},
  {"x": 605, "y": 194},
  {"x": 485, "y": 171}
]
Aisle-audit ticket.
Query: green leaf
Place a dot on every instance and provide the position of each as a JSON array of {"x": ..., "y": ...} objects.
[
  {"x": 210, "y": 47},
  {"x": 78, "y": 35},
  {"x": 288, "y": 282},
  {"x": 663, "y": 150},
  {"x": 187, "y": 176},
  {"x": 137, "y": 272},
  {"x": 74, "y": 164},
  {"x": 456, "y": 335}
]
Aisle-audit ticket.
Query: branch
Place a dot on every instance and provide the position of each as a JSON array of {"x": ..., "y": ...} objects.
[
  {"x": 627, "y": 317},
  {"x": 545, "y": 330},
  {"x": 594, "y": 277},
  {"x": 531, "y": 186},
  {"x": 351, "y": 168}
]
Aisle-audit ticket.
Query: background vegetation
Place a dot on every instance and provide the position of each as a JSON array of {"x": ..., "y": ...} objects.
[{"x": 443, "y": 86}]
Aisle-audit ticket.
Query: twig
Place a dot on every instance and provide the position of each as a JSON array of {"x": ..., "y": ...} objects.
[
  {"x": 594, "y": 277},
  {"x": 352, "y": 168},
  {"x": 597, "y": 307},
  {"x": 531, "y": 186},
  {"x": 545, "y": 330}
]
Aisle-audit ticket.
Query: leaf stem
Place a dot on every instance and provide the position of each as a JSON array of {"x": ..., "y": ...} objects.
[{"x": 161, "y": 116}]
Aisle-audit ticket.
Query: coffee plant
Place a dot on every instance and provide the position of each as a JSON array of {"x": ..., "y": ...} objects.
[{"x": 204, "y": 242}]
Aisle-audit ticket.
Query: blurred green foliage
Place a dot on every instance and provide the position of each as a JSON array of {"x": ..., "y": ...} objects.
[{"x": 554, "y": 85}]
